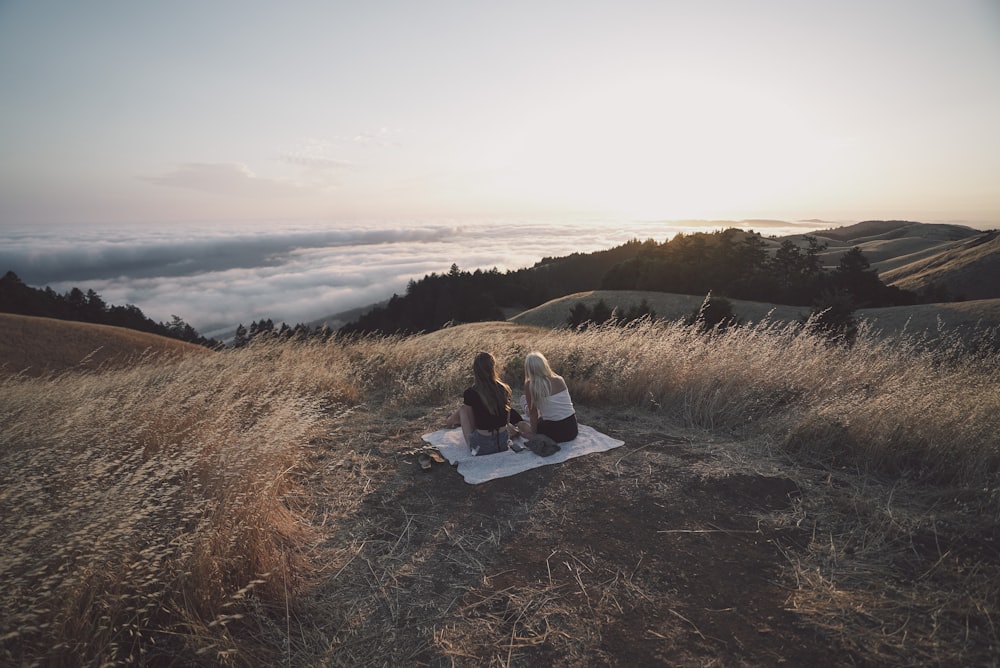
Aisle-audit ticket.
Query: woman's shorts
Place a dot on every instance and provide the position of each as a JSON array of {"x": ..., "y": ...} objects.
[
  {"x": 482, "y": 444},
  {"x": 559, "y": 431}
]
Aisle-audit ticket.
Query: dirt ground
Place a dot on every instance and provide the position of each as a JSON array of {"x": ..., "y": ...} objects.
[{"x": 676, "y": 549}]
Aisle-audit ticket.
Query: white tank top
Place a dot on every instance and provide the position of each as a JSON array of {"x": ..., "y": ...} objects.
[{"x": 557, "y": 406}]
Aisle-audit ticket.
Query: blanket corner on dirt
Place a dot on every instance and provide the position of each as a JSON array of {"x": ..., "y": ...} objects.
[{"x": 475, "y": 470}]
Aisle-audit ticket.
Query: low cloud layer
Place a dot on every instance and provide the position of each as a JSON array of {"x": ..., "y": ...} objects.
[{"x": 218, "y": 276}]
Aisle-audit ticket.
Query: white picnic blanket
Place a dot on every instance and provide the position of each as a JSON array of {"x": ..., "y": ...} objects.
[{"x": 475, "y": 470}]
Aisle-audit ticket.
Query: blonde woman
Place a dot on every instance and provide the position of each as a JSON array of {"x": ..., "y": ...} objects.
[
  {"x": 550, "y": 408},
  {"x": 486, "y": 418}
]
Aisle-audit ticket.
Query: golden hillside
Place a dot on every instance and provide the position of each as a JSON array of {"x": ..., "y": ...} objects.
[
  {"x": 37, "y": 346},
  {"x": 970, "y": 268},
  {"x": 889, "y": 320},
  {"x": 667, "y": 306},
  {"x": 912, "y": 256},
  {"x": 776, "y": 500}
]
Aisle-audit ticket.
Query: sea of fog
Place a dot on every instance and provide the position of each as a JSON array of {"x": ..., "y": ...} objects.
[{"x": 216, "y": 276}]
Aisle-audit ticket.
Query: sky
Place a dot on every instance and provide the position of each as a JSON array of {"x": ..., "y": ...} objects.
[{"x": 156, "y": 114}]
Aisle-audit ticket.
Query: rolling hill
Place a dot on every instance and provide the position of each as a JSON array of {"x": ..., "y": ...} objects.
[
  {"x": 961, "y": 316},
  {"x": 666, "y": 306},
  {"x": 962, "y": 261},
  {"x": 969, "y": 268},
  {"x": 38, "y": 346}
]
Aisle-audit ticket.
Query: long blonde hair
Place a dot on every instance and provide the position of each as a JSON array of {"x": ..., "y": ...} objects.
[
  {"x": 494, "y": 392},
  {"x": 538, "y": 371}
]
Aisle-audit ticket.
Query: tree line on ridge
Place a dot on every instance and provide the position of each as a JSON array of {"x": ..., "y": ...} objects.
[{"x": 75, "y": 305}]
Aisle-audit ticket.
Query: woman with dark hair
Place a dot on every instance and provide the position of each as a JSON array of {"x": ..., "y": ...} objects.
[{"x": 485, "y": 415}]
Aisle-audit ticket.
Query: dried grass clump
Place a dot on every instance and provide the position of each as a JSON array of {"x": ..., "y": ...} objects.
[{"x": 887, "y": 404}]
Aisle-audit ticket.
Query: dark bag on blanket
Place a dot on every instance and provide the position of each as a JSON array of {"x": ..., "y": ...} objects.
[
  {"x": 498, "y": 441},
  {"x": 542, "y": 445}
]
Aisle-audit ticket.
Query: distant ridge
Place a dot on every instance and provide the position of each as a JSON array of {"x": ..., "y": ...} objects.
[
  {"x": 37, "y": 346},
  {"x": 969, "y": 269},
  {"x": 865, "y": 228}
]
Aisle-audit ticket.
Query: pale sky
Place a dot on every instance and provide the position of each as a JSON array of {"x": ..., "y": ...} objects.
[{"x": 141, "y": 112}]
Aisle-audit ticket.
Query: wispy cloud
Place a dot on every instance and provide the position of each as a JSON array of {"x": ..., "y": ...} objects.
[
  {"x": 315, "y": 161},
  {"x": 222, "y": 178},
  {"x": 315, "y": 154},
  {"x": 382, "y": 137}
]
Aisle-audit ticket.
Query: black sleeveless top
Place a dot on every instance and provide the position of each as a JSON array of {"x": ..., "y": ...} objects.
[{"x": 483, "y": 418}]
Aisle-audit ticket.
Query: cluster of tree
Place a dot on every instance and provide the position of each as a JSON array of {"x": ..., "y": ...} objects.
[
  {"x": 580, "y": 316},
  {"x": 437, "y": 299},
  {"x": 265, "y": 330},
  {"x": 739, "y": 264},
  {"x": 16, "y": 297}
]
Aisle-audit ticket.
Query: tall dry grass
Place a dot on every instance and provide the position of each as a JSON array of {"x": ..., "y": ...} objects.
[
  {"x": 891, "y": 404},
  {"x": 140, "y": 506},
  {"x": 155, "y": 514}
]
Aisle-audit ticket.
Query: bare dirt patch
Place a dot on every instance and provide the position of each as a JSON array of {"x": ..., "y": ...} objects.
[{"x": 655, "y": 553}]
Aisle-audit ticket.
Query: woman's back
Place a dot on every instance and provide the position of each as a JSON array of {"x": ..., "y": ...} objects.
[{"x": 558, "y": 405}]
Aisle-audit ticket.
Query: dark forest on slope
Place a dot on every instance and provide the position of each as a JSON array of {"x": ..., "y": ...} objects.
[{"x": 730, "y": 263}]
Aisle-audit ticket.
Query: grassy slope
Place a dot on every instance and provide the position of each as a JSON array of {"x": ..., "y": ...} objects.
[
  {"x": 667, "y": 306},
  {"x": 970, "y": 268},
  {"x": 911, "y": 256},
  {"x": 985, "y": 312},
  {"x": 38, "y": 346},
  {"x": 265, "y": 508}
]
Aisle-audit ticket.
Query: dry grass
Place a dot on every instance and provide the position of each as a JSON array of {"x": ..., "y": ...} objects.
[
  {"x": 971, "y": 318},
  {"x": 37, "y": 346},
  {"x": 140, "y": 506},
  {"x": 247, "y": 507},
  {"x": 666, "y": 306},
  {"x": 970, "y": 267}
]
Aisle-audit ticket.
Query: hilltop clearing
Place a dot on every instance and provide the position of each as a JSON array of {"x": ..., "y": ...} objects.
[
  {"x": 777, "y": 500},
  {"x": 37, "y": 346}
]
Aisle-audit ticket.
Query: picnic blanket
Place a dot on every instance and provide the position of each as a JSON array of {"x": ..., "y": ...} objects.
[{"x": 475, "y": 470}]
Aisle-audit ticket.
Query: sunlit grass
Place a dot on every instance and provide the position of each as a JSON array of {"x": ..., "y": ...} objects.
[{"x": 157, "y": 512}]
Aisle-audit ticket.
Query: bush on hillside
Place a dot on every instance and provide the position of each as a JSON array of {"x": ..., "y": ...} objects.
[
  {"x": 714, "y": 314},
  {"x": 833, "y": 318},
  {"x": 581, "y": 317}
]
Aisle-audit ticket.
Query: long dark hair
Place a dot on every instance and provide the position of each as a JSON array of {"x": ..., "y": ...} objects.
[{"x": 494, "y": 392}]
